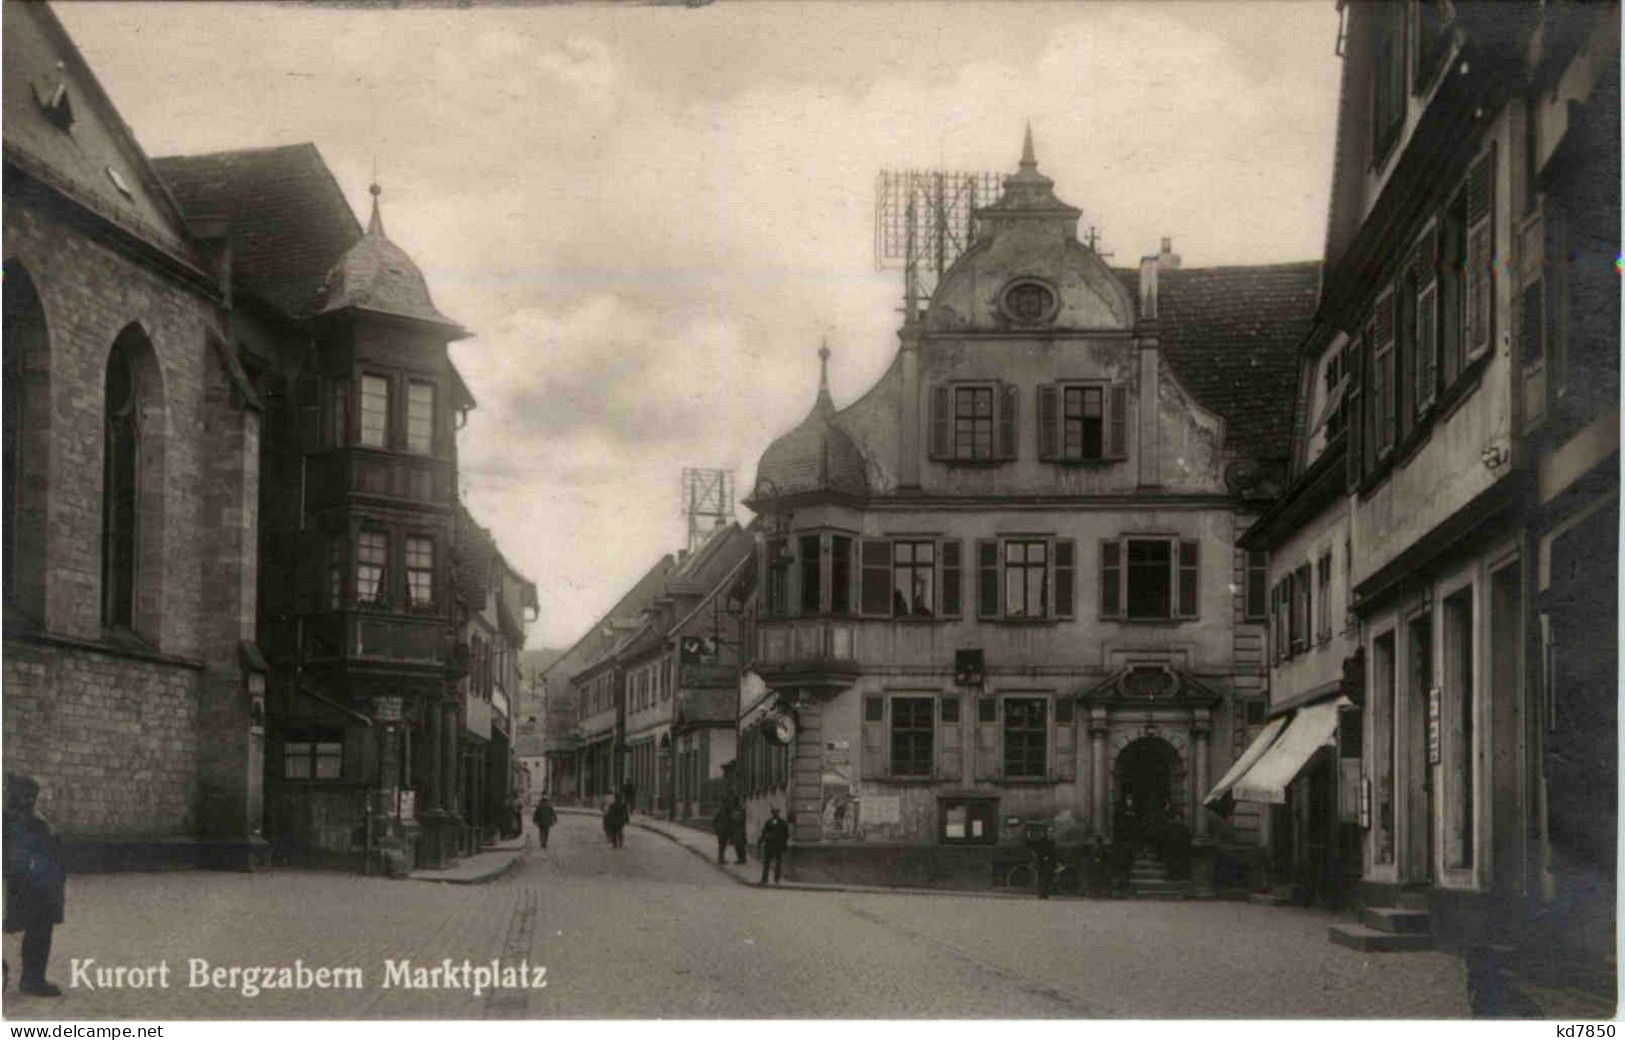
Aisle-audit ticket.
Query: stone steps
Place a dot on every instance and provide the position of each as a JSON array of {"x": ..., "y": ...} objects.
[{"x": 1389, "y": 929}]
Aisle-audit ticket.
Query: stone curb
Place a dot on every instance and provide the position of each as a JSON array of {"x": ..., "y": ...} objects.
[
  {"x": 478, "y": 879},
  {"x": 704, "y": 854}
]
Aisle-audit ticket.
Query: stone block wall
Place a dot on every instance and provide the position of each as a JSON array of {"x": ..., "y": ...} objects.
[{"x": 112, "y": 740}]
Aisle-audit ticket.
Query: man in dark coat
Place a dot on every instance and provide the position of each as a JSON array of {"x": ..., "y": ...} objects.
[
  {"x": 774, "y": 840},
  {"x": 1045, "y": 857},
  {"x": 544, "y": 818},
  {"x": 730, "y": 824},
  {"x": 615, "y": 823},
  {"x": 35, "y": 882}
]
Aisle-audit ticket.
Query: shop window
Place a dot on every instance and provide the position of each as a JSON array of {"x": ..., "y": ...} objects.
[
  {"x": 969, "y": 821},
  {"x": 1384, "y": 703},
  {"x": 1459, "y": 730}
]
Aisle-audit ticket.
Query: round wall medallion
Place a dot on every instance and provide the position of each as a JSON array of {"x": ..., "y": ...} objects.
[{"x": 1029, "y": 301}]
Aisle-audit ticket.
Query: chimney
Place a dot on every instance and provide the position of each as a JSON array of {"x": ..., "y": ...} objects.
[
  {"x": 1148, "y": 288},
  {"x": 1167, "y": 259}
]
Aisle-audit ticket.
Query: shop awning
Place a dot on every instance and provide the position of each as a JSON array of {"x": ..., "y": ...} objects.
[
  {"x": 1262, "y": 743},
  {"x": 1312, "y": 727}
]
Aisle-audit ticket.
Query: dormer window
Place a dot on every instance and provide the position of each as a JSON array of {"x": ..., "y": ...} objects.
[
  {"x": 1387, "y": 79},
  {"x": 54, "y": 103}
]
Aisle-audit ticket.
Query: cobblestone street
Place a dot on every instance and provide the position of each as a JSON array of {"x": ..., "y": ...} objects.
[{"x": 652, "y": 930}]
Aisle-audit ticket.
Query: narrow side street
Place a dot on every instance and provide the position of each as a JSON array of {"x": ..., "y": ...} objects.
[{"x": 653, "y": 930}]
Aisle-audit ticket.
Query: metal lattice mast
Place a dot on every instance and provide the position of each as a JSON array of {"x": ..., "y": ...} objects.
[{"x": 708, "y": 503}]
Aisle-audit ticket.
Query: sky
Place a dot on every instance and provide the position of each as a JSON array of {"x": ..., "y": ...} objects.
[{"x": 651, "y": 216}]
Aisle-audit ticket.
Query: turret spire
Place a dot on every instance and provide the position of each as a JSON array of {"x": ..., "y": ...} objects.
[
  {"x": 1028, "y": 162},
  {"x": 825, "y": 404},
  {"x": 375, "y": 226}
]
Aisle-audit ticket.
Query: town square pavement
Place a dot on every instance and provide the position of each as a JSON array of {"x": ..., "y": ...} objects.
[{"x": 651, "y": 930}]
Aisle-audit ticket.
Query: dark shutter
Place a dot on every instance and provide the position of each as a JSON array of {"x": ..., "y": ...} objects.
[
  {"x": 1373, "y": 395},
  {"x": 1065, "y": 577},
  {"x": 1111, "y": 578},
  {"x": 1257, "y": 580},
  {"x": 950, "y": 742},
  {"x": 951, "y": 577},
  {"x": 875, "y": 593},
  {"x": 941, "y": 422},
  {"x": 1007, "y": 426},
  {"x": 1048, "y": 424},
  {"x": 1186, "y": 584},
  {"x": 987, "y": 738},
  {"x": 1117, "y": 422},
  {"x": 1064, "y": 742},
  {"x": 1385, "y": 397},
  {"x": 1480, "y": 315},
  {"x": 987, "y": 572},
  {"x": 874, "y": 738},
  {"x": 1427, "y": 320},
  {"x": 1354, "y": 403}
]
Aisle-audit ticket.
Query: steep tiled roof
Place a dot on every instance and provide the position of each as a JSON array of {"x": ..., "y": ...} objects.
[
  {"x": 376, "y": 275},
  {"x": 1232, "y": 336},
  {"x": 289, "y": 221}
]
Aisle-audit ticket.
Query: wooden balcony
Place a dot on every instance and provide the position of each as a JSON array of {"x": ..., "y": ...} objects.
[
  {"x": 332, "y": 476},
  {"x": 807, "y": 651},
  {"x": 377, "y": 637}
]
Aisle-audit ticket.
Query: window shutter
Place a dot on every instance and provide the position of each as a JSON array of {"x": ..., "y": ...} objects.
[
  {"x": 1354, "y": 356},
  {"x": 1048, "y": 422},
  {"x": 987, "y": 586},
  {"x": 1064, "y": 742},
  {"x": 1383, "y": 398},
  {"x": 1009, "y": 407},
  {"x": 1117, "y": 422},
  {"x": 1372, "y": 439},
  {"x": 941, "y": 419},
  {"x": 874, "y": 738},
  {"x": 1277, "y": 644},
  {"x": 950, "y": 742},
  {"x": 1065, "y": 577},
  {"x": 1111, "y": 578},
  {"x": 987, "y": 738},
  {"x": 1480, "y": 319},
  {"x": 952, "y": 572},
  {"x": 1186, "y": 577},
  {"x": 875, "y": 591}
]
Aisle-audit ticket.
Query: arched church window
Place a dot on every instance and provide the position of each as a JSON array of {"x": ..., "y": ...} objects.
[{"x": 120, "y": 483}]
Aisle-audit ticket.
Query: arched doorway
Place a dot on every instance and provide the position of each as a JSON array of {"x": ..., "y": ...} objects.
[{"x": 1150, "y": 788}]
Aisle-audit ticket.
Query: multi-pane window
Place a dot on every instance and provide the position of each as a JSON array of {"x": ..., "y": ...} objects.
[
  {"x": 420, "y": 417},
  {"x": 911, "y": 736},
  {"x": 778, "y": 577},
  {"x": 1080, "y": 422},
  {"x": 913, "y": 579},
  {"x": 371, "y": 560},
  {"x": 1335, "y": 387},
  {"x": 1149, "y": 579},
  {"x": 336, "y": 413},
  {"x": 1083, "y": 414},
  {"x": 811, "y": 589},
  {"x": 419, "y": 571},
  {"x": 1302, "y": 593},
  {"x": 1026, "y": 578},
  {"x": 910, "y": 577},
  {"x": 1026, "y": 737},
  {"x": 1382, "y": 338},
  {"x": 1257, "y": 585},
  {"x": 1387, "y": 78},
  {"x": 973, "y": 422},
  {"x": 840, "y": 574},
  {"x": 374, "y": 411},
  {"x": 321, "y": 759}
]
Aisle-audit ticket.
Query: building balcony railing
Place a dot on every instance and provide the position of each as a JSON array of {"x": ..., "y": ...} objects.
[
  {"x": 812, "y": 645},
  {"x": 334, "y": 475},
  {"x": 347, "y": 636}
]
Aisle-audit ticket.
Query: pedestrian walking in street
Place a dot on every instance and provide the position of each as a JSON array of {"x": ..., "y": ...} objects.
[
  {"x": 774, "y": 840},
  {"x": 35, "y": 883},
  {"x": 730, "y": 826},
  {"x": 628, "y": 791},
  {"x": 544, "y": 818},
  {"x": 615, "y": 823}
]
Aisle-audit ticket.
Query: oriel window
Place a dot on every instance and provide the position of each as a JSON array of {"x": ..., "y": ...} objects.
[
  {"x": 420, "y": 417},
  {"x": 419, "y": 571},
  {"x": 374, "y": 411},
  {"x": 371, "y": 560}
]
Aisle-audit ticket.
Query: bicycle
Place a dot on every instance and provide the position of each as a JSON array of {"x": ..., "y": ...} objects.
[{"x": 1025, "y": 876}]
